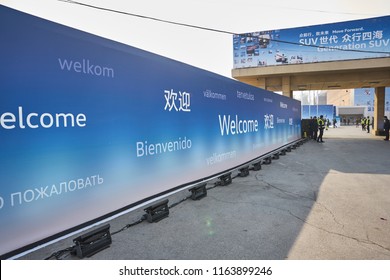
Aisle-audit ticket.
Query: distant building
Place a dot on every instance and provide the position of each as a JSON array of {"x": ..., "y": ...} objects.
[{"x": 350, "y": 104}]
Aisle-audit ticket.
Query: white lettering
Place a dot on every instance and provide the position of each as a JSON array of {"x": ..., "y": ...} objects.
[
  {"x": 93, "y": 180},
  {"x": 88, "y": 182},
  {"x": 308, "y": 41},
  {"x": 45, "y": 120},
  {"x": 54, "y": 190},
  {"x": 50, "y": 120},
  {"x": 217, "y": 158},
  {"x": 20, "y": 110},
  {"x": 268, "y": 121},
  {"x": 73, "y": 182},
  {"x": 80, "y": 183},
  {"x": 245, "y": 95},
  {"x": 63, "y": 187},
  {"x": 172, "y": 98},
  {"x": 41, "y": 192},
  {"x": 12, "y": 198},
  {"x": 86, "y": 67},
  {"x": 283, "y": 105},
  {"x": 29, "y": 120},
  {"x": 210, "y": 94},
  {"x": 4, "y": 120},
  {"x": 235, "y": 126},
  {"x": 25, "y": 195},
  {"x": 77, "y": 67},
  {"x": 64, "y": 117},
  {"x": 100, "y": 180},
  {"x": 145, "y": 149},
  {"x": 379, "y": 43},
  {"x": 1, "y": 202}
]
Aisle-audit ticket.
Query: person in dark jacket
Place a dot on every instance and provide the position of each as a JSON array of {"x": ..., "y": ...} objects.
[
  {"x": 386, "y": 126},
  {"x": 315, "y": 128},
  {"x": 311, "y": 128}
]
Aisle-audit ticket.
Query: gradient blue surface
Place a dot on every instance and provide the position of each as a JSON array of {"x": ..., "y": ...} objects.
[{"x": 56, "y": 178}]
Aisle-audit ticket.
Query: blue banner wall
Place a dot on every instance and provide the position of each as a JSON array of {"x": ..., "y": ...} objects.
[
  {"x": 327, "y": 111},
  {"x": 357, "y": 39},
  {"x": 89, "y": 126}
]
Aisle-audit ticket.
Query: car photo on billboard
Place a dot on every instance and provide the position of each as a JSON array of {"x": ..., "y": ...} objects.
[
  {"x": 264, "y": 40},
  {"x": 281, "y": 58}
]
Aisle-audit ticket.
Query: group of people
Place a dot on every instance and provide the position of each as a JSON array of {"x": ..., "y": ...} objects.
[
  {"x": 317, "y": 127},
  {"x": 366, "y": 122}
]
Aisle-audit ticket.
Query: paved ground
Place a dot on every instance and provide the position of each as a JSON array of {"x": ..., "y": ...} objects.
[{"x": 321, "y": 201}]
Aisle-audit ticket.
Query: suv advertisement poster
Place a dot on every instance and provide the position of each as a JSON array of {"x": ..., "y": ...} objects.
[{"x": 358, "y": 39}]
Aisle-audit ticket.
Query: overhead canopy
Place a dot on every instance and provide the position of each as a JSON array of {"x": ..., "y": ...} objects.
[
  {"x": 351, "y": 110},
  {"x": 364, "y": 73}
]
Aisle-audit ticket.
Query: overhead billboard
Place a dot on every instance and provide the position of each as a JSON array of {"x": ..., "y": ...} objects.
[
  {"x": 357, "y": 39},
  {"x": 89, "y": 127}
]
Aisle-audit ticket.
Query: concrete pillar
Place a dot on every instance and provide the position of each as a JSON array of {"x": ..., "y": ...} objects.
[
  {"x": 262, "y": 82},
  {"x": 379, "y": 110},
  {"x": 286, "y": 86}
]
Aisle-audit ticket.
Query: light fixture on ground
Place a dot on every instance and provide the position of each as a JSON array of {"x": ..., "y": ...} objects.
[
  {"x": 225, "y": 179},
  {"x": 157, "y": 212},
  {"x": 199, "y": 191},
  {"x": 257, "y": 165},
  {"x": 276, "y": 155},
  {"x": 268, "y": 160},
  {"x": 244, "y": 171},
  {"x": 92, "y": 242}
]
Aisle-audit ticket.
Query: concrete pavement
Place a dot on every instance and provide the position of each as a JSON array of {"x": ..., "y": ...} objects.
[{"x": 321, "y": 201}]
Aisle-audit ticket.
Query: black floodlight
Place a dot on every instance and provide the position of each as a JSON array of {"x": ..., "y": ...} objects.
[
  {"x": 275, "y": 156},
  {"x": 157, "y": 212},
  {"x": 257, "y": 165},
  {"x": 288, "y": 149},
  {"x": 268, "y": 160},
  {"x": 225, "y": 179},
  {"x": 294, "y": 146},
  {"x": 283, "y": 152},
  {"x": 199, "y": 191},
  {"x": 244, "y": 171},
  {"x": 92, "y": 242}
]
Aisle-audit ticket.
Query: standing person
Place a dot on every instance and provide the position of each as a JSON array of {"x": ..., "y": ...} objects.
[
  {"x": 334, "y": 123},
  {"x": 363, "y": 123},
  {"x": 315, "y": 128},
  {"x": 321, "y": 127},
  {"x": 327, "y": 124},
  {"x": 368, "y": 124},
  {"x": 386, "y": 126}
]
